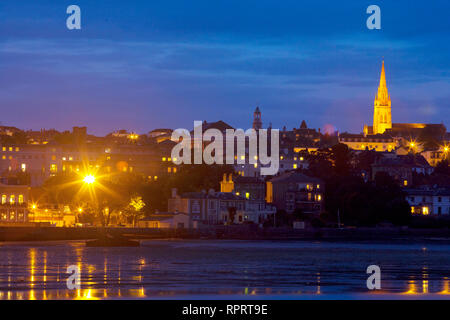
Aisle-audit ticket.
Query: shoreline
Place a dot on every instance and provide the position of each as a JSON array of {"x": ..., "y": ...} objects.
[{"x": 12, "y": 233}]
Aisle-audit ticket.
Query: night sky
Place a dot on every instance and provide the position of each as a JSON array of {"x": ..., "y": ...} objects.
[{"x": 141, "y": 65}]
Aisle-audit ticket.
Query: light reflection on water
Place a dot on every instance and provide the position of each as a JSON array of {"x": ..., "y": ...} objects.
[{"x": 212, "y": 269}]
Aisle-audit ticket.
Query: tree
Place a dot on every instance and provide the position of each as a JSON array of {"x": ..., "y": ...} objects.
[{"x": 134, "y": 209}]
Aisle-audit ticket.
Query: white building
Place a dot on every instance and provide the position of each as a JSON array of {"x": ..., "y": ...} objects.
[{"x": 429, "y": 201}]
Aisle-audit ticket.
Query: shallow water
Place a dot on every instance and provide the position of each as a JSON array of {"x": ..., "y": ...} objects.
[{"x": 221, "y": 269}]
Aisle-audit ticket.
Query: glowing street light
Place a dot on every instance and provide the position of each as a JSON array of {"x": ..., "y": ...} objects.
[{"x": 89, "y": 179}]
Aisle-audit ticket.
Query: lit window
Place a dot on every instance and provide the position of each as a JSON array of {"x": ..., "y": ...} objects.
[
  {"x": 255, "y": 165},
  {"x": 17, "y": 148},
  {"x": 255, "y": 157},
  {"x": 20, "y": 198},
  {"x": 24, "y": 167},
  {"x": 295, "y": 166},
  {"x": 319, "y": 198},
  {"x": 295, "y": 158},
  {"x": 53, "y": 157},
  {"x": 405, "y": 183},
  {"x": 413, "y": 210},
  {"x": 3, "y": 198},
  {"x": 301, "y": 158},
  {"x": 237, "y": 193},
  {"x": 169, "y": 159},
  {"x": 169, "y": 169},
  {"x": 247, "y": 195},
  {"x": 281, "y": 157},
  {"x": 425, "y": 211},
  {"x": 3, "y": 157},
  {"x": 242, "y": 157},
  {"x": 156, "y": 178},
  {"x": 174, "y": 170},
  {"x": 4, "y": 148},
  {"x": 64, "y": 158},
  {"x": 70, "y": 158},
  {"x": 10, "y": 148},
  {"x": 53, "y": 168},
  {"x": 12, "y": 199},
  {"x": 164, "y": 159}
]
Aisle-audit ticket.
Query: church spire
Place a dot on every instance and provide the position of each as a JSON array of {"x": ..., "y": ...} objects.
[
  {"x": 382, "y": 119},
  {"x": 383, "y": 94}
]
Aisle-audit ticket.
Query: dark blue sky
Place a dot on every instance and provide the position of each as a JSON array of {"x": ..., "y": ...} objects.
[{"x": 140, "y": 65}]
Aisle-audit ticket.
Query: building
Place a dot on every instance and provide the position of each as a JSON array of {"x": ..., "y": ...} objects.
[
  {"x": 382, "y": 118},
  {"x": 257, "y": 123},
  {"x": 14, "y": 203},
  {"x": 376, "y": 142},
  {"x": 429, "y": 201},
  {"x": 436, "y": 155},
  {"x": 249, "y": 187},
  {"x": 38, "y": 162},
  {"x": 296, "y": 191},
  {"x": 402, "y": 167},
  {"x": 164, "y": 220},
  {"x": 219, "y": 207}
]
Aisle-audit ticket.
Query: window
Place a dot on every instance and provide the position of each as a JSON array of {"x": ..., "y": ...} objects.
[
  {"x": 20, "y": 198},
  {"x": 12, "y": 199},
  {"x": 439, "y": 199},
  {"x": 247, "y": 195},
  {"x": 3, "y": 198},
  {"x": 23, "y": 166}
]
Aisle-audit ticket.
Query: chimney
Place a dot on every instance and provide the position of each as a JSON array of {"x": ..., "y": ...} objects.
[{"x": 230, "y": 178}]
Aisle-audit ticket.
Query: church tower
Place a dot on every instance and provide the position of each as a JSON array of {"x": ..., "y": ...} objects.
[
  {"x": 257, "y": 123},
  {"x": 382, "y": 119}
]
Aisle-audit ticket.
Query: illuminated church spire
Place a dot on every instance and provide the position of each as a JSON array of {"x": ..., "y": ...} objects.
[{"x": 382, "y": 119}]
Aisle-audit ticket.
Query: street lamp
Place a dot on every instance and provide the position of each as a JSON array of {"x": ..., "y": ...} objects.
[{"x": 89, "y": 179}]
